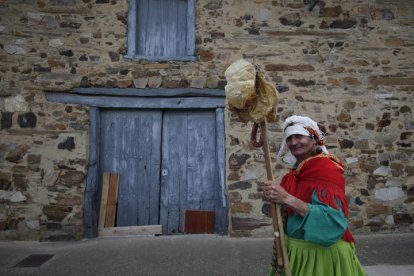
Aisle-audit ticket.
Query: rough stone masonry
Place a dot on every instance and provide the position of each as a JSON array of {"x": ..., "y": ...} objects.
[{"x": 347, "y": 64}]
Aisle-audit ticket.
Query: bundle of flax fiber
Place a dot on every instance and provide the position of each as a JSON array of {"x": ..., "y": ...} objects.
[{"x": 252, "y": 98}]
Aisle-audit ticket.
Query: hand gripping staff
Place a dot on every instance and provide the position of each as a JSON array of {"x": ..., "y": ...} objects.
[{"x": 253, "y": 98}]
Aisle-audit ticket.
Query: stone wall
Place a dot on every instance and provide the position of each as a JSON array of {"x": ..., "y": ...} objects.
[{"x": 348, "y": 65}]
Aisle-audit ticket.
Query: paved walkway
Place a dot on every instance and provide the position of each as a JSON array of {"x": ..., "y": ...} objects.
[{"x": 186, "y": 255}]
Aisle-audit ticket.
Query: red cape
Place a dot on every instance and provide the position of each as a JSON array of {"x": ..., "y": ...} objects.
[{"x": 321, "y": 173}]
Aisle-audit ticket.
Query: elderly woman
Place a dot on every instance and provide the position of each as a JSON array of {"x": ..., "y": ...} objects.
[{"x": 318, "y": 239}]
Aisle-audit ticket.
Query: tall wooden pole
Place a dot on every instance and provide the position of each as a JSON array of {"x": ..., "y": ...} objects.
[{"x": 280, "y": 243}]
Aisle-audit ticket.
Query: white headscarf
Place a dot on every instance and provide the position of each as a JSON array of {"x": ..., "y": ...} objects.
[{"x": 297, "y": 125}]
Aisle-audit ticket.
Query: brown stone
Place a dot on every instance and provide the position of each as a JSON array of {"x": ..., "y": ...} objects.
[
  {"x": 361, "y": 10},
  {"x": 351, "y": 81},
  {"x": 343, "y": 24},
  {"x": 291, "y": 20},
  {"x": 402, "y": 218},
  {"x": 70, "y": 178},
  {"x": 394, "y": 42},
  {"x": 64, "y": 200},
  {"x": 33, "y": 161},
  {"x": 124, "y": 83},
  {"x": 17, "y": 154},
  {"x": 241, "y": 207},
  {"x": 373, "y": 209},
  {"x": 391, "y": 81},
  {"x": 233, "y": 176},
  {"x": 247, "y": 223},
  {"x": 235, "y": 197},
  {"x": 237, "y": 160},
  {"x": 241, "y": 185},
  {"x": 19, "y": 182},
  {"x": 56, "y": 212},
  {"x": 384, "y": 123},
  {"x": 346, "y": 144},
  {"x": 255, "y": 195},
  {"x": 375, "y": 221},
  {"x": 169, "y": 83},
  {"x": 205, "y": 55},
  {"x": 330, "y": 11},
  {"x": 405, "y": 135},
  {"x": 302, "y": 82},
  {"x": 355, "y": 224},
  {"x": 362, "y": 144},
  {"x": 285, "y": 67},
  {"x": 369, "y": 126},
  {"x": 405, "y": 109},
  {"x": 344, "y": 117},
  {"x": 409, "y": 170}
]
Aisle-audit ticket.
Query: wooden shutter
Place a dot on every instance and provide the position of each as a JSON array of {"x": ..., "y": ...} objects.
[{"x": 162, "y": 28}]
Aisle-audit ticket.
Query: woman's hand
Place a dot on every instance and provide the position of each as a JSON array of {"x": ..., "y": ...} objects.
[{"x": 277, "y": 194}]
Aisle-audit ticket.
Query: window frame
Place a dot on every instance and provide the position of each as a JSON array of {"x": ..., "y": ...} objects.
[{"x": 132, "y": 36}]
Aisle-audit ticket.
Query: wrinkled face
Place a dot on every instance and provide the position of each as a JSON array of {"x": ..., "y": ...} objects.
[{"x": 301, "y": 146}]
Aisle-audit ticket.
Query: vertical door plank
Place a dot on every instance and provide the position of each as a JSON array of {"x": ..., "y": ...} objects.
[
  {"x": 104, "y": 199},
  {"x": 221, "y": 202},
  {"x": 201, "y": 160},
  {"x": 112, "y": 200},
  {"x": 174, "y": 170}
]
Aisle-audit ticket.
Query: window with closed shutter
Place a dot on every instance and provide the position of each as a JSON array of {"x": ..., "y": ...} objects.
[{"x": 161, "y": 29}]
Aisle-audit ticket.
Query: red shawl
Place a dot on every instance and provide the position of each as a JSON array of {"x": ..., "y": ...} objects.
[{"x": 321, "y": 173}]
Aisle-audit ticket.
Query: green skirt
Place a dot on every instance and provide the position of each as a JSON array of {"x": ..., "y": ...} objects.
[{"x": 309, "y": 259}]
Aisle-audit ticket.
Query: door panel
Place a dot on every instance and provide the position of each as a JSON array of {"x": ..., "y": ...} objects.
[
  {"x": 188, "y": 160},
  {"x": 167, "y": 161},
  {"x": 130, "y": 146}
]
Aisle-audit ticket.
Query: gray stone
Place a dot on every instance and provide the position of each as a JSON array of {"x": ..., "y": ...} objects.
[
  {"x": 33, "y": 224},
  {"x": 351, "y": 160},
  {"x": 389, "y": 220},
  {"x": 264, "y": 14},
  {"x": 140, "y": 82},
  {"x": 386, "y": 138},
  {"x": 382, "y": 171},
  {"x": 14, "y": 50},
  {"x": 393, "y": 182},
  {"x": 12, "y": 196},
  {"x": 154, "y": 81},
  {"x": 388, "y": 194},
  {"x": 56, "y": 42},
  {"x": 198, "y": 82}
]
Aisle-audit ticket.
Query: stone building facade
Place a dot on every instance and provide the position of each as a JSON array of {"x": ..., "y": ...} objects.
[{"x": 347, "y": 64}]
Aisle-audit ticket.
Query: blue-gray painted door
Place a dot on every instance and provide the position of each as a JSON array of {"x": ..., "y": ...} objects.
[
  {"x": 167, "y": 161},
  {"x": 130, "y": 146}
]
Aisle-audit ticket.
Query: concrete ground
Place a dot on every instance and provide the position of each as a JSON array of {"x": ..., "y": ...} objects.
[{"x": 385, "y": 254}]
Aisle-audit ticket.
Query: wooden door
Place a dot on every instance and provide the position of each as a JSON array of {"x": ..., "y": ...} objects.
[
  {"x": 167, "y": 161},
  {"x": 131, "y": 147},
  {"x": 189, "y": 176}
]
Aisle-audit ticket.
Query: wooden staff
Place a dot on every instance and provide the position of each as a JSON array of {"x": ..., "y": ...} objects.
[{"x": 279, "y": 250}]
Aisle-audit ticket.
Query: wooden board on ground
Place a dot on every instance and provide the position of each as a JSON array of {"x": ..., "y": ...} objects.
[
  {"x": 198, "y": 222},
  {"x": 112, "y": 200},
  {"x": 130, "y": 231},
  {"x": 109, "y": 199}
]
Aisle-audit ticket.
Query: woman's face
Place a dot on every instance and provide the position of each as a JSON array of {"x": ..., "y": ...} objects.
[{"x": 301, "y": 146}]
